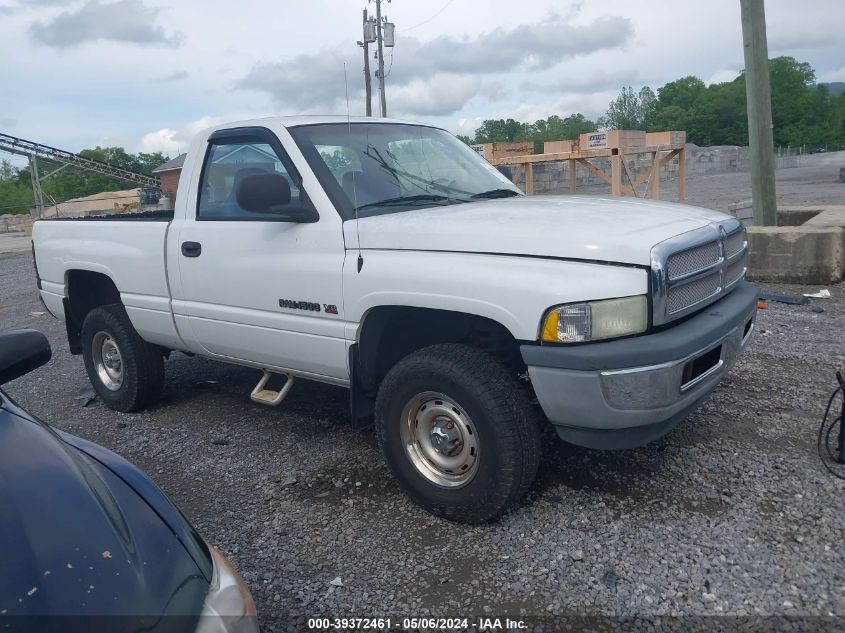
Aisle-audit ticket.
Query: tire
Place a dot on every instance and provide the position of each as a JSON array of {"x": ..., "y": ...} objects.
[
  {"x": 127, "y": 372},
  {"x": 481, "y": 465}
]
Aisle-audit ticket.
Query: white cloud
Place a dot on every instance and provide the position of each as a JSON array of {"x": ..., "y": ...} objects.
[
  {"x": 174, "y": 76},
  {"x": 833, "y": 75},
  {"x": 813, "y": 33},
  {"x": 314, "y": 80},
  {"x": 722, "y": 75},
  {"x": 120, "y": 21},
  {"x": 591, "y": 105},
  {"x": 166, "y": 140},
  {"x": 600, "y": 81},
  {"x": 173, "y": 142},
  {"x": 439, "y": 95},
  {"x": 467, "y": 126}
]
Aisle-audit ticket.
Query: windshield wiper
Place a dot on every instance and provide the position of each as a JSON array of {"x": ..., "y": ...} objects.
[
  {"x": 495, "y": 193},
  {"x": 423, "y": 197}
]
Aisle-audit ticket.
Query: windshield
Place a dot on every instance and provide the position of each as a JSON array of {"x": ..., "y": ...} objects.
[{"x": 389, "y": 167}]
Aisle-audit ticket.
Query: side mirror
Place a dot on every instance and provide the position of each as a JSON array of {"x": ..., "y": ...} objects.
[
  {"x": 21, "y": 351},
  {"x": 269, "y": 193}
]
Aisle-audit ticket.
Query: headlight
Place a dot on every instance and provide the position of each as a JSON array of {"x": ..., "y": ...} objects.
[
  {"x": 595, "y": 320},
  {"x": 228, "y": 607}
]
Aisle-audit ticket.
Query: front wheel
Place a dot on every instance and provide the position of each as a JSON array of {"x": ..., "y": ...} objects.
[
  {"x": 458, "y": 432},
  {"x": 126, "y": 372}
]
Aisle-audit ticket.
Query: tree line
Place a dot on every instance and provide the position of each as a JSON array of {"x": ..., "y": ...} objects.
[
  {"x": 804, "y": 113},
  {"x": 16, "y": 184}
]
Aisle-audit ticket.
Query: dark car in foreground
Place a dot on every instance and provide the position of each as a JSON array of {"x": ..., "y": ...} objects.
[{"x": 89, "y": 542}]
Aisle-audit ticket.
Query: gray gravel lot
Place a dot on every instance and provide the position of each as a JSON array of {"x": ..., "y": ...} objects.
[{"x": 732, "y": 513}]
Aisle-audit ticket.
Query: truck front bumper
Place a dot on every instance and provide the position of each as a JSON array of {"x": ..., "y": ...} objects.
[{"x": 625, "y": 393}]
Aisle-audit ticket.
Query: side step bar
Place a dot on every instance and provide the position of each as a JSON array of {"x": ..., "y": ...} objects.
[{"x": 268, "y": 396}]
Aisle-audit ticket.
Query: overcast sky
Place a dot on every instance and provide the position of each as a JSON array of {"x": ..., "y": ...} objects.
[{"x": 147, "y": 74}]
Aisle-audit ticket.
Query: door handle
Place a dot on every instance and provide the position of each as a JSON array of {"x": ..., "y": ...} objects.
[{"x": 191, "y": 249}]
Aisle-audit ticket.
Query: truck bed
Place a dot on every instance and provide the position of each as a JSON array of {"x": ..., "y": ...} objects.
[
  {"x": 133, "y": 260},
  {"x": 143, "y": 216}
]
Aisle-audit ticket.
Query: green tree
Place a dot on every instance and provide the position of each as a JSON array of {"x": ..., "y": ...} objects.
[
  {"x": 802, "y": 112},
  {"x": 16, "y": 186},
  {"x": 556, "y": 129},
  {"x": 119, "y": 157},
  {"x": 7, "y": 170},
  {"x": 502, "y": 130},
  {"x": 15, "y": 192},
  {"x": 630, "y": 110},
  {"x": 678, "y": 106},
  {"x": 724, "y": 117},
  {"x": 791, "y": 83}
]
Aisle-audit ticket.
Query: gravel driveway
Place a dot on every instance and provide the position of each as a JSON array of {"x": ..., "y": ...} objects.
[{"x": 732, "y": 513}]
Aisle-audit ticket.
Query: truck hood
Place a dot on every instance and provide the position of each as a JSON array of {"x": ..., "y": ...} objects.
[{"x": 573, "y": 227}]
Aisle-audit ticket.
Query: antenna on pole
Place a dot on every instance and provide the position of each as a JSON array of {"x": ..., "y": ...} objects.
[{"x": 354, "y": 191}]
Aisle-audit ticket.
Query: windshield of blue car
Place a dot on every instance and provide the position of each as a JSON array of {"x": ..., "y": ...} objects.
[{"x": 378, "y": 168}]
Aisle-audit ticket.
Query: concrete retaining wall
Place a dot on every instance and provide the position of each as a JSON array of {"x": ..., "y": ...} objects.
[{"x": 797, "y": 254}]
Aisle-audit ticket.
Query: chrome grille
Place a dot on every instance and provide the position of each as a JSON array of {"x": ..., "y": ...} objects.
[
  {"x": 735, "y": 272},
  {"x": 693, "y": 259},
  {"x": 694, "y": 269},
  {"x": 681, "y": 297},
  {"x": 734, "y": 243}
]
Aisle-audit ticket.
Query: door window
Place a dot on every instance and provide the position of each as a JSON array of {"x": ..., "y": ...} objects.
[{"x": 226, "y": 166}]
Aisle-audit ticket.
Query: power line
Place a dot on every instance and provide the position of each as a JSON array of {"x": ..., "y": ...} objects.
[{"x": 442, "y": 9}]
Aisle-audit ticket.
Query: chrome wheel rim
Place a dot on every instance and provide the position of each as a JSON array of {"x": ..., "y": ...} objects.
[
  {"x": 440, "y": 439},
  {"x": 108, "y": 363}
]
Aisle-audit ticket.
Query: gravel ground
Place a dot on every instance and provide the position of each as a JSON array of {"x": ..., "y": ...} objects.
[
  {"x": 732, "y": 513},
  {"x": 17, "y": 242}
]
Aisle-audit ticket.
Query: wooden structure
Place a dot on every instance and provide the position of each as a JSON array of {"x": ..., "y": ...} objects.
[
  {"x": 504, "y": 150},
  {"x": 615, "y": 145}
]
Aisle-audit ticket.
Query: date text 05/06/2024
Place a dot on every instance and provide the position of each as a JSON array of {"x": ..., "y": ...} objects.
[{"x": 429, "y": 623}]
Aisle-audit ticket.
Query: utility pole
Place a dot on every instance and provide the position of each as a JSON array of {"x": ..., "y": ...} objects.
[
  {"x": 759, "y": 97},
  {"x": 380, "y": 72},
  {"x": 365, "y": 44},
  {"x": 36, "y": 186}
]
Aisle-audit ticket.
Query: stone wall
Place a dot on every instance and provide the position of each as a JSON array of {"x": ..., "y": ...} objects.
[{"x": 15, "y": 222}]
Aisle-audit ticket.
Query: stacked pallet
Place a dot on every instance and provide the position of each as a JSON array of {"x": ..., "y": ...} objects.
[
  {"x": 613, "y": 139},
  {"x": 665, "y": 138},
  {"x": 504, "y": 150},
  {"x": 558, "y": 147}
]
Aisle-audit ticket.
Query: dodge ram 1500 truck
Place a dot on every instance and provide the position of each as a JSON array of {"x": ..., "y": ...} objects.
[{"x": 389, "y": 258}]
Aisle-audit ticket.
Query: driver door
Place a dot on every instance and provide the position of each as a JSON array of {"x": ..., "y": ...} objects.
[{"x": 256, "y": 288}]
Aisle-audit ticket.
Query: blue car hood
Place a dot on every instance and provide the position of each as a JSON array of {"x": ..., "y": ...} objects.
[{"x": 85, "y": 533}]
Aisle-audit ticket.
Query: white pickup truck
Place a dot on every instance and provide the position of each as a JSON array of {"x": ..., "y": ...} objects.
[{"x": 390, "y": 258}]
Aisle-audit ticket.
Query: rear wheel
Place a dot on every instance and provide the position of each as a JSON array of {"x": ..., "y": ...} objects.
[
  {"x": 458, "y": 432},
  {"x": 126, "y": 372}
]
